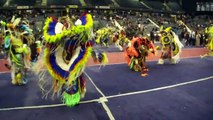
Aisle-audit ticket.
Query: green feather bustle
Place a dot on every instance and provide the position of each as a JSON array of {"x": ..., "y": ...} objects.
[{"x": 71, "y": 100}]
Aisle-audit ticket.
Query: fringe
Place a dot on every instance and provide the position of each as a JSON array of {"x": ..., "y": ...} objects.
[{"x": 71, "y": 99}]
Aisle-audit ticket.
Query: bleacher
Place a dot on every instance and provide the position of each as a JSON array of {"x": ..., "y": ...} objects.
[
  {"x": 155, "y": 5},
  {"x": 63, "y": 2},
  {"x": 2, "y": 2},
  {"x": 152, "y": 5},
  {"x": 174, "y": 6},
  {"x": 23, "y": 2},
  {"x": 131, "y": 4},
  {"x": 98, "y": 2}
]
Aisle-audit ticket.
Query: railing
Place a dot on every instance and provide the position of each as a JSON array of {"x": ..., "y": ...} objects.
[
  {"x": 63, "y": 7},
  {"x": 86, "y": 8}
]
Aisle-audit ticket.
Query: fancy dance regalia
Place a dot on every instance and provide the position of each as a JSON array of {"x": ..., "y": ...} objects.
[
  {"x": 209, "y": 32},
  {"x": 120, "y": 39},
  {"x": 1, "y": 43},
  {"x": 66, "y": 53},
  {"x": 112, "y": 35},
  {"x": 18, "y": 38},
  {"x": 136, "y": 54},
  {"x": 104, "y": 36},
  {"x": 171, "y": 46}
]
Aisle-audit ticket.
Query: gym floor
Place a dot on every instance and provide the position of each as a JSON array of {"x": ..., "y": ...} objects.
[{"x": 169, "y": 92}]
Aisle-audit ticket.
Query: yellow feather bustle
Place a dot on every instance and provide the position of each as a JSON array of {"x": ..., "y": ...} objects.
[
  {"x": 79, "y": 66},
  {"x": 74, "y": 73},
  {"x": 105, "y": 59},
  {"x": 74, "y": 30}
]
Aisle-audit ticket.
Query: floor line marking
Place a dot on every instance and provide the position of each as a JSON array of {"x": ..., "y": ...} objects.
[
  {"x": 109, "y": 113},
  {"x": 44, "y": 106},
  {"x": 4, "y": 72},
  {"x": 112, "y": 96},
  {"x": 90, "y": 79},
  {"x": 102, "y": 100},
  {"x": 161, "y": 88}
]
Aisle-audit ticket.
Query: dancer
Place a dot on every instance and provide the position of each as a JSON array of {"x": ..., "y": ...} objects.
[
  {"x": 67, "y": 49},
  {"x": 171, "y": 46},
  {"x": 136, "y": 54},
  {"x": 18, "y": 38},
  {"x": 112, "y": 35},
  {"x": 209, "y": 46},
  {"x": 104, "y": 36}
]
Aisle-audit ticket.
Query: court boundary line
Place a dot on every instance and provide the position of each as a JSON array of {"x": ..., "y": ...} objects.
[
  {"x": 102, "y": 99},
  {"x": 161, "y": 88},
  {"x": 90, "y": 79},
  {"x": 112, "y": 96},
  {"x": 45, "y": 106}
]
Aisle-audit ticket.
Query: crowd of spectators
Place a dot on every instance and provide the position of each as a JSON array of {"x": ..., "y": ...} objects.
[{"x": 134, "y": 23}]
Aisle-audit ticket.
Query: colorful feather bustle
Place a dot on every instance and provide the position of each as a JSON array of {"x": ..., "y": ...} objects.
[
  {"x": 178, "y": 48},
  {"x": 17, "y": 41},
  {"x": 209, "y": 46},
  {"x": 71, "y": 99},
  {"x": 66, "y": 54},
  {"x": 7, "y": 41},
  {"x": 136, "y": 54},
  {"x": 210, "y": 38},
  {"x": 104, "y": 33},
  {"x": 53, "y": 38},
  {"x": 75, "y": 68},
  {"x": 102, "y": 57},
  {"x": 73, "y": 94},
  {"x": 171, "y": 46}
]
